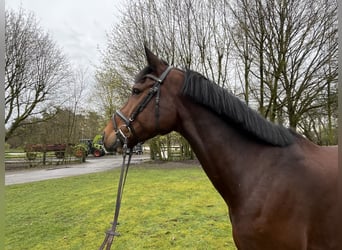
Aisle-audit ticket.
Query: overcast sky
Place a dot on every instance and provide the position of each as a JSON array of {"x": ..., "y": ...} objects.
[{"x": 78, "y": 26}]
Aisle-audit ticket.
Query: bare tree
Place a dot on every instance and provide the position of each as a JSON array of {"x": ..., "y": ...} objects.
[
  {"x": 284, "y": 51},
  {"x": 86, "y": 125},
  {"x": 75, "y": 100},
  {"x": 34, "y": 70},
  {"x": 187, "y": 33},
  {"x": 172, "y": 40},
  {"x": 111, "y": 90},
  {"x": 288, "y": 49}
]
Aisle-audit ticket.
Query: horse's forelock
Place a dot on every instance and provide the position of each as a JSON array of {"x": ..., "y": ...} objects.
[{"x": 142, "y": 73}]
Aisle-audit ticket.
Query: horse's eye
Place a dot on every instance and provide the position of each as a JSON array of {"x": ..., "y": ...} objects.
[{"x": 136, "y": 91}]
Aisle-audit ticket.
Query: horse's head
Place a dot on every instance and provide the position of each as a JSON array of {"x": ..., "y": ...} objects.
[{"x": 150, "y": 110}]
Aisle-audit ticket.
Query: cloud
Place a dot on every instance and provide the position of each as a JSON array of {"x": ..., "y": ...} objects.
[{"x": 78, "y": 27}]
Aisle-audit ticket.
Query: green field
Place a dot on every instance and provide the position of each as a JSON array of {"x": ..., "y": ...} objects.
[{"x": 165, "y": 206}]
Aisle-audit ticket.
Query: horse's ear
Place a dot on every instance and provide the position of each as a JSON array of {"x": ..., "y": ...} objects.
[{"x": 153, "y": 61}]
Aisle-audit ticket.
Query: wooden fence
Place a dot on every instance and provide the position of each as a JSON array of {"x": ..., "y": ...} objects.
[{"x": 15, "y": 160}]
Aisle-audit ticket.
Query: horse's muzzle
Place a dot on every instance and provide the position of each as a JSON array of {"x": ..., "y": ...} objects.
[{"x": 112, "y": 144}]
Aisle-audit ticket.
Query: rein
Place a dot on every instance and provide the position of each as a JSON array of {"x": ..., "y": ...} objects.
[
  {"x": 108, "y": 240},
  {"x": 121, "y": 136}
]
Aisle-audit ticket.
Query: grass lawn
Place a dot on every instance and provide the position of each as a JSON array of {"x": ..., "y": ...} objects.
[{"x": 165, "y": 206}]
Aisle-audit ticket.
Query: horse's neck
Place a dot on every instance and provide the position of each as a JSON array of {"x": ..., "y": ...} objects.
[{"x": 222, "y": 152}]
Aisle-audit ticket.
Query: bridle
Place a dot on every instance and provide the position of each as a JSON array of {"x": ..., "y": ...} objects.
[
  {"x": 154, "y": 90},
  {"x": 120, "y": 135}
]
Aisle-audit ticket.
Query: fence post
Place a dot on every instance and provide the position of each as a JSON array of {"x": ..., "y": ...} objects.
[{"x": 44, "y": 158}]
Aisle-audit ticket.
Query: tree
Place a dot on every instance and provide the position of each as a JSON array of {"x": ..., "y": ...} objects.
[
  {"x": 111, "y": 90},
  {"x": 57, "y": 129},
  {"x": 289, "y": 60},
  {"x": 283, "y": 53},
  {"x": 75, "y": 100},
  {"x": 35, "y": 70},
  {"x": 195, "y": 36}
]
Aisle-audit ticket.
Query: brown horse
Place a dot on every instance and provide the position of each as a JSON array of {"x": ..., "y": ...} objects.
[{"x": 280, "y": 188}]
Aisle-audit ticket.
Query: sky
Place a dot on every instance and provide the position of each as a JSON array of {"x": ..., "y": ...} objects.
[{"x": 78, "y": 27}]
